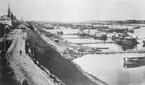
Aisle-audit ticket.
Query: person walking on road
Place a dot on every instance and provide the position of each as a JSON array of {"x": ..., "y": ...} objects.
[
  {"x": 20, "y": 52},
  {"x": 25, "y": 82}
]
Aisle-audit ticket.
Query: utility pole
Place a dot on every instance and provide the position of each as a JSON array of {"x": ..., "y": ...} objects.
[{"x": 4, "y": 39}]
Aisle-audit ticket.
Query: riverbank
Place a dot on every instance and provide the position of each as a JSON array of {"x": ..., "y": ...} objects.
[{"x": 61, "y": 67}]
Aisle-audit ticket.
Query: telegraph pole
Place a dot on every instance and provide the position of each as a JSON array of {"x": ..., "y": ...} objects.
[{"x": 4, "y": 39}]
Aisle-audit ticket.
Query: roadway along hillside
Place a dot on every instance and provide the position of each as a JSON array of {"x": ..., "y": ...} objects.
[{"x": 25, "y": 70}]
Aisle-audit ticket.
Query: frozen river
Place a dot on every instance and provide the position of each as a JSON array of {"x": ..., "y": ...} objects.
[{"x": 110, "y": 68}]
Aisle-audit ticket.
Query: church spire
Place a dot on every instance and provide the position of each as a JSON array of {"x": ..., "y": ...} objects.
[{"x": 9, "y": 11}]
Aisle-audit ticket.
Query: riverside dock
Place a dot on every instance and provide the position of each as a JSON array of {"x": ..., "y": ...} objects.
[{"x": 111, "y": 52}]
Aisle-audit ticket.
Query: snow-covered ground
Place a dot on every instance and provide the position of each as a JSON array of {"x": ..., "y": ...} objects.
[{"x": 64, "y": 30}]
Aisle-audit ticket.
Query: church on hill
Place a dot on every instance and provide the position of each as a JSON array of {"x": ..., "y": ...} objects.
[{"x": 8, "y": 19}]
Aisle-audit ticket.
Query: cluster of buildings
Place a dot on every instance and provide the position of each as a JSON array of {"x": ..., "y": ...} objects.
[
  {"x": 6, "y": 23},
  {"x": 9, "y": 18},
  {"x": 6, "y": 20}
]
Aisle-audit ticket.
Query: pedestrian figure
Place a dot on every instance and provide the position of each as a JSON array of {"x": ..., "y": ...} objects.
[
  {"x": 25, "y": 82},
  {"x": 20, "y": 52}
]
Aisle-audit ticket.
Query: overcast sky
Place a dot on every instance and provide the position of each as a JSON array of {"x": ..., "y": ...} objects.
[{"x": 75, "y": 10}]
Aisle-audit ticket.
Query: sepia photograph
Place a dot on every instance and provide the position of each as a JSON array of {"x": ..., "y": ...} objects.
[{"x": 72, "y": 42}]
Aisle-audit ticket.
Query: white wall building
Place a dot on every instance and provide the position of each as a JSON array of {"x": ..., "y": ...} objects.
[{"x": 5, "y": 20}]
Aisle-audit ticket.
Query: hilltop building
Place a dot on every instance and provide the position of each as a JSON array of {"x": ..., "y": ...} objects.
[
  {"x": 8, "y": 19},
  {"x": 5, "y": 20}
]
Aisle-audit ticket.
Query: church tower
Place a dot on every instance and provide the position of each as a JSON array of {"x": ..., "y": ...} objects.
[{"x": 9, "y": 11}]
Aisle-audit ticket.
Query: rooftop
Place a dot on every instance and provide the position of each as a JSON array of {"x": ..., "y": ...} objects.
[{"x": 4, "y": 17}]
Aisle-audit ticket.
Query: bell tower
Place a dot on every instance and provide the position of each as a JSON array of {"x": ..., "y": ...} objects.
[{"x": 9, "y": 11}]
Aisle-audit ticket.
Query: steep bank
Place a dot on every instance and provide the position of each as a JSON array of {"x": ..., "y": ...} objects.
[{"x": 62, "y": 68}]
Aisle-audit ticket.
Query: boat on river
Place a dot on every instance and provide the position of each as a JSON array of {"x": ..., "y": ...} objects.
[
  {"x": 101, "y": 37},
  {"x": 134, "y": 61},
  {"x": 126, "y": 41},
  {"x": 143, "y": 43},
  {"x": 138, "y": 27}
]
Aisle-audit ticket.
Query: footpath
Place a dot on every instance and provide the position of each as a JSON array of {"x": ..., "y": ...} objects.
[{"x": 26, "y": 72}]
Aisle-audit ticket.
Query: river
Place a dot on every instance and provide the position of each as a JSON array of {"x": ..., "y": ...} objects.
[{"x": 111, "y": 68}]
